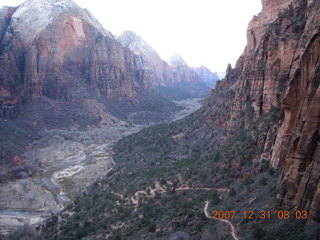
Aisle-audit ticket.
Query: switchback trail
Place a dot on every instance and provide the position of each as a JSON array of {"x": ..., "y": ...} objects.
[
  {"x": 135, "y": 200},
  {"x": 233, "y": 230},
  {"x": 206, "y": 189}
]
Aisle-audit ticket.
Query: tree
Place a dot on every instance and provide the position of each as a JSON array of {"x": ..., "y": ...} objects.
[{"x": 163, "y": 181}]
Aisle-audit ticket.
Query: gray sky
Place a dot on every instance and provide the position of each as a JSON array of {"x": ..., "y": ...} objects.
[{"x": 209, "y": 32}]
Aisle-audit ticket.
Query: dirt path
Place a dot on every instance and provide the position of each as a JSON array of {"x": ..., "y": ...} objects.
[
  {"x": 233, "y": 230},
  {"x": 206, "y": 189},
  {"x": 118, "y": 194},
  {"x": 135, "y": 198}
]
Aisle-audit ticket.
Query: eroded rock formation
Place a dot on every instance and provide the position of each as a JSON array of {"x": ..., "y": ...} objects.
[
  {"x": 206, "y": 75},
  {"x": 181, "y": 71},
  {"x": 280, "y": 68},
  {"x": 174, "y": 76},
  {"x": 149, "y": 61},
  {"x": 59, "y": 68},
  {"x": 58, "y": 50}
]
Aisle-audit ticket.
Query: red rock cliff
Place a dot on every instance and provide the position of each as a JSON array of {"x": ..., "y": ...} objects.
[
  {"x": 160, "y": 72},
  {"x": 280, "y": 67},
  {"x": 58, "y": 50}
]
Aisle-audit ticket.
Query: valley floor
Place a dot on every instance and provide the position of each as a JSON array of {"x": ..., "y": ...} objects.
[{"x": 69, "y": 161}]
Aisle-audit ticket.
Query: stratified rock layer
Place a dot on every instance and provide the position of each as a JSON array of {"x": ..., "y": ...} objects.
[
  {"x": 59, "y": 68},
  {"x": 63, "y": 54},
  {"x": 206, "y": 75},
  {"x": 167, "y": 78},
  {"x": 280, "y": 67}
]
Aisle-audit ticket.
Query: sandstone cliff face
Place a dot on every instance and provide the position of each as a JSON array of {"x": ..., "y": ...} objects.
[
  {"x": 272, "y": 8},
  {"x": 58, "y": 50},
  {"x": 5, "y": 16},
  {"x": 181, "y": 71},
  {"x": 266, "y": 62},
  {"x": 148, "y": 60},
  {"x": 60, "y": 69},
  {"x": 297, "y": 147},
  {"x": 206, "y": 75},
  {"x": 160, "y": 72},
  {"x": 169, "y": 79},
  {"x": 280, "y": 68}
]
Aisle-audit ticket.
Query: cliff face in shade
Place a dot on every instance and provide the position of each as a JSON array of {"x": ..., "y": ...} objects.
[
  {"x": 263, "y": 69},
  {"x": 297, "y": 147},
  {"x": 58, "y": 50},
  {"x": 280, "y": 68},
  {"x": 206, "y": 75}
]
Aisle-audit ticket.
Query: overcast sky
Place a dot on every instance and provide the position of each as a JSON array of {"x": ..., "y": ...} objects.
[{"x": 209, "y": 32}]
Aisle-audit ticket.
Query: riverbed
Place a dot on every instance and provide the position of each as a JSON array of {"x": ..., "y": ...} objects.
[{"x": 69, "y": 161}]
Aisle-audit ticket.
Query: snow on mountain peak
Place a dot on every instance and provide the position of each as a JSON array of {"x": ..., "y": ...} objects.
[
  {"x": 33, "y": 16},
  {"x": 135, "y": 43},
  {"x": 177, "y": 60}
]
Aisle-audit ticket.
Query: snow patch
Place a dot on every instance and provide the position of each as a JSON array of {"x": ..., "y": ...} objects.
[
  {"x": 33, "y": 16},
  {"x": 177, "y": 60},
  {"x": 136, "y": 44}
]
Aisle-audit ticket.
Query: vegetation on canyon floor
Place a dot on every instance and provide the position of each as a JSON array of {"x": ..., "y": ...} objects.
[{"x": 162, "y": 178}]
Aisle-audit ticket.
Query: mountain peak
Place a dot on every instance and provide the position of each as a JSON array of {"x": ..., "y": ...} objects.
[
  {"x": 177, "y": 60},
  {"x": 129, "y": 35},
  {"x": 33, "y": 16},
  {"x": 43, "y": 7},
  {"x": 137, "y": 44}
]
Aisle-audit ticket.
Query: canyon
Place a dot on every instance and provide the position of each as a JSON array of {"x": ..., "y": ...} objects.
[
  {"x": 61, "y": 69},
  {"x": 68, "y": 91},
  {"x": 173, "y": 79},
  {"x": 252, "y": 144},
  {"x": 67, "y": 162}
]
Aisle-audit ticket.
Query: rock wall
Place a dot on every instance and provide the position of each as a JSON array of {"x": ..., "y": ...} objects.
[
  {"x": 206, "y": 75},
  {"x": 297, "y": 147},
  {"x": 69, "y": 59},
  {"x": 280, "y": 68},
  {"x": 266, "y": 62},
  {"x": 181, "y": 71},
  {"x": 174, "y": 80},
  {"x": 153, "y": 67},
  {"x": 150, "y": 63}
]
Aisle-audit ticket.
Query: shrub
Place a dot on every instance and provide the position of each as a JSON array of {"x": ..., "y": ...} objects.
[
  {"x": 232, "y": 192},
  {"x": 263, "y": 181},
  {"x": 214, "y": 198},
  {"x": 258, "y": 232},
  {"x": 248, "y": 181},
  {"x": 271, "y": 171},
  {"x": 152, "y": 227},
  {"x": 265, "y": 165},
  {"x": 163, "y": 181}
]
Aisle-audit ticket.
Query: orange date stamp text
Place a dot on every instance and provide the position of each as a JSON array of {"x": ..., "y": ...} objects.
[{"x": 252, "y": 215}]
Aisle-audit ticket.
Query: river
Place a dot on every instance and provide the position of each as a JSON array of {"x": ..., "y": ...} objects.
[{"x": 70, "y": 161}]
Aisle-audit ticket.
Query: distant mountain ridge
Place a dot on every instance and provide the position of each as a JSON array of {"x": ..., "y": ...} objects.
[
  {"x": 60, "y": 68},
  {"x": 173, "y": 76},
  {"x": 256, "y": 138},
  {"x": 207, "y": 75},
  {"x": 57, "y": 46}
]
